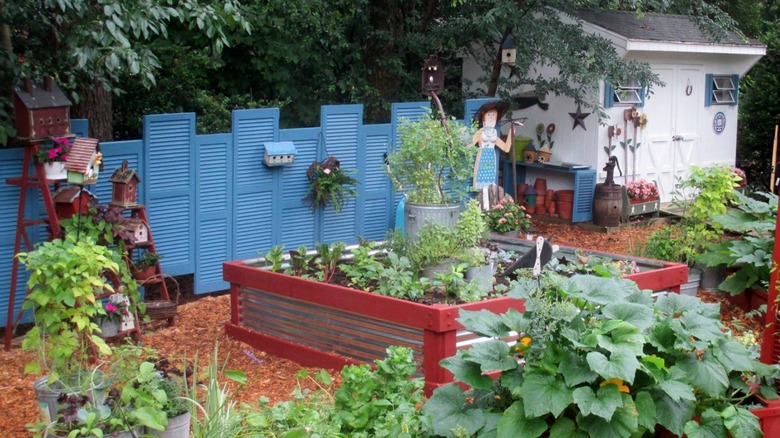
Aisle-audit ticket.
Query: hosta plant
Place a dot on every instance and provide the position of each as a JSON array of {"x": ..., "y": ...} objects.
[{"x": 597, "y": 357}]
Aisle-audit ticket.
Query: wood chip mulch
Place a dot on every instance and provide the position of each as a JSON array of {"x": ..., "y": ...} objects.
[{"x": 200, "y": 323}]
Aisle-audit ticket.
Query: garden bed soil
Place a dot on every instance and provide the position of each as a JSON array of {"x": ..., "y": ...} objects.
[{"x": 200, "y": 323}]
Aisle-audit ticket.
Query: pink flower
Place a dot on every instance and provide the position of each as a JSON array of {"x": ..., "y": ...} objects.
[
  {"x": 111, "y": 307},
  {"x": 502, "y": 220},
  {"x": 498, "y": 207},
  {"x": 53, "y": 153},
  {"x": 326, "y": 171}
]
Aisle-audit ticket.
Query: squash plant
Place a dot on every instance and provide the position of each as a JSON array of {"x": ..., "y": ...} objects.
[
  {"x": 751, "y": 254},
  {"x": 66, "y": 276},
  {"x": 598, "y": 357}
]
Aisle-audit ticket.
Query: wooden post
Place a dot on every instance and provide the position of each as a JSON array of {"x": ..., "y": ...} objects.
[{"x": 774, "y": 162}]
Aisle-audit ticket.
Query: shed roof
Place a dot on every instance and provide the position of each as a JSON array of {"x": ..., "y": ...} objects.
[
  {"x": 41, "y": 98},
  {"x": 659, "y": 28}
]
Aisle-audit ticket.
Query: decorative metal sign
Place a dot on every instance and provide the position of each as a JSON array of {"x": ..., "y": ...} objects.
[{"x": 719, "y": 122}]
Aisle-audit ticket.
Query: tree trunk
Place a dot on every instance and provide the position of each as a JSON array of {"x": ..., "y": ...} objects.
[
  {"x": 96, "y": 105},
  {"x": 498, "y": 60}
]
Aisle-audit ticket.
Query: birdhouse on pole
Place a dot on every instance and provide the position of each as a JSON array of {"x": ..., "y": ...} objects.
[
  {"x": 84, "y": 160},
  {"x": 508, "y": 50},
  {"x": 432, "y": 76},
  {"x": 72, "y": 200},
  {"x": 124, "y": 186},
  {"x": 41, "y": 111}
]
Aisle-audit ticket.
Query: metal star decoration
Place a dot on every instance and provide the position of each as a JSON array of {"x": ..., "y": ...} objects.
[{"x": 579, "y": 118}]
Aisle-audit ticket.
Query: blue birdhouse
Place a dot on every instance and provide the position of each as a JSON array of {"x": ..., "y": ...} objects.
[{"x": 279, "y": 153}]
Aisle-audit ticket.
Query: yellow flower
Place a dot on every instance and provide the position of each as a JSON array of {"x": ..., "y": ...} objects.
[
  {"x": 617, "y": 382},
  {"x": 526, "y": 341}
]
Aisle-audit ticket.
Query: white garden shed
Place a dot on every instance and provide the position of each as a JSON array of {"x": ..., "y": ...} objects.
[{"x": 692, "y": 120}]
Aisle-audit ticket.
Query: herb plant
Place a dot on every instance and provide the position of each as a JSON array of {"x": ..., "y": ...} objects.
[{"x": 598, "y": 357}]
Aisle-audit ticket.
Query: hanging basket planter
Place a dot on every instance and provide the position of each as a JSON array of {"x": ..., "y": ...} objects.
[{"x": 329, "y": 184}]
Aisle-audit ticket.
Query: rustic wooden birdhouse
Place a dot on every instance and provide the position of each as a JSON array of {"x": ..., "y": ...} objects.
[
  {"x": 124, "y": 186},
  {"x": 508, "y": 51},
  {"x": 83, "y": 163},
  {"x": 432, "y": 76},
  {"x": 41, "y": 111},
  {"x": 139, "y": 229},
  {"x": 279, "y": 153},
  {"x": 72, "y": 200}
]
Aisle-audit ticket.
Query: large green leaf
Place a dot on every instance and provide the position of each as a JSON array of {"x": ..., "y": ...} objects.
[
  {"x": 677, "y": 390},
  {"x": 575, "y": 370},
  {"x": 621, "y": 364},
  {"x": 484, "y": 323},
  {"x": 706, "y": 374},
  {"x": 622, "y": 425},
  {"x": 672, "y": 414},
  {"x": 636, "y": 314},
  {"x": 646, "y": 409},
  {"x": 601, "y": 290},
  {"x": 733, "y": 355},
  {"x": 566, "y": 428},
  {"x": 466, "y": 371},
  {"x": 515, "y": 424},
  {"x": 710, "y": 425},
  {"x": 543, "y": 394},
  {"x": 700, "y": 327},
  {"x": 623, "y": 337},
  {"x": 491, "y": 356},
  {"x": 741, "y": 423},
  {"x": 603, "y": 404},
  {"x": 448, "y": 410}
]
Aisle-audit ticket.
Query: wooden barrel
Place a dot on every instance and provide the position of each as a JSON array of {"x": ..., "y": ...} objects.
[{"x": 607, "y": 205}]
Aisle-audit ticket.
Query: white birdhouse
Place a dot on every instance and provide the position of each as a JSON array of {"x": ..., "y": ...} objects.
[
  {"x": 139, "y": 229},
  {"x": 508, "y": 51},
  {"x": 279, "y": 153}
]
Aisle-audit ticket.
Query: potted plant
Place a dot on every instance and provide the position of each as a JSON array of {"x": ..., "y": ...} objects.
[
  {"x": 432, "y": 167},
  {"x": 53, "y": 157},
  {"x": 597, "y": 357},
  {"x": 330, "y": 184},
  {"x": 507, "y": 218},
  {"x": 111, "y": 319},
  {"x": 145, "y": 266},
  {"x": 66, "y": 279}
]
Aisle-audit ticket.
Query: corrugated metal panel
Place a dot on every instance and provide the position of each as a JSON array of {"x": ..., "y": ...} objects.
[
  {"x": 214, "y": 233},
  {"x": 343, "y": 333},
  {"x": 252, "y": 128},
  {"x": 253, "y": 232}
]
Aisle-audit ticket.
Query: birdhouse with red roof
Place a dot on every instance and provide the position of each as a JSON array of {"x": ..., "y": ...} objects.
[
  {"x": 72, "y": 200},
  {"x": 41, "y": 111},
  {"x": 124, "y": 186},
  {"x": 83, "y": 163}
]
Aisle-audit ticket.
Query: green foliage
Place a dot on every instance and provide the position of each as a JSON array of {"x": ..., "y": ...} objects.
[
  {"x": 380, "y": 402},
  {"x": 598, "y": 357},
  {"x": 706, "y": 192},
  {"x": 147, "y": 260},
  {"x": 507, "y": 216},
  {"x": 398, "y": 279},
  {"x": 435, "y": 243},
  {"x": 471, "y": 228},
  {"x": 65, "y": 279},
  {"x": 751, "y": 253},
  {"x": 330, "y": 184},
  {"x": 430, "y": 160},
  {"x": 594, "y": 265},
  {"x": 327, "y": 259},
  {"x": 275, "y": 256},
  {"x": 364, "y": 269}
]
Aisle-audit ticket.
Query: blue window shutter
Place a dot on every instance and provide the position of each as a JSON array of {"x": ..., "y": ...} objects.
[
  {"x": 708, "y": 78},
  {"x": 609, "y": 95},
  {"x": 735, "y": 80}
]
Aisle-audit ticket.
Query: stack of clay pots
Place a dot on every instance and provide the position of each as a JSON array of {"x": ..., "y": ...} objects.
[{"x": 541, "y": 196}]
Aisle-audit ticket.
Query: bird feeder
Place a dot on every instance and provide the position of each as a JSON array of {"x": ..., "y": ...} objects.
[
  {"x": 508, "y": 50},
  {"x": 432, "y": 76}
]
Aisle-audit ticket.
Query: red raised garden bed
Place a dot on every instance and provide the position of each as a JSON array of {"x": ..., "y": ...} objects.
[{"x": 324, "y": 325}]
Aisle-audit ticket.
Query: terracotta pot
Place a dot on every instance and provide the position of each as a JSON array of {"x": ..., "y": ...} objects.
[
  {"x": 564, "y": 209},
  {"x": 541, "y": 186},
  {"x": 541, "y": 209},
  {"x": 551, "y": 208},
  {"x": 143, "y": 274},
  {"x": 530, "y": 209},
  {"x": 520, "y": 193},
  {"x": 564, "y": 195},
  {"x": 550, "y": 194}
]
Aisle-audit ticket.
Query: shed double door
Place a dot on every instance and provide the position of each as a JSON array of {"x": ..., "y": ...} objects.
[{"x": 671, "y": 139}]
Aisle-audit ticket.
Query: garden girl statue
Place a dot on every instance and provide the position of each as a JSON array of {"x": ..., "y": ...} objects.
[{"x": 488, "y": 137}]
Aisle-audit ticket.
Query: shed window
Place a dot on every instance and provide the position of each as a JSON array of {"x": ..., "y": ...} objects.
[
  {"x": 626, "y": 93},
  {"x": 722, "y": 90}
]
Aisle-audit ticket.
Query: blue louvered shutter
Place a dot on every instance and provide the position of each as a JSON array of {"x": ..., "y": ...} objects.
[
  {"x": 169, "y": 188},
  {"x": 709, "y": 81},
  {"x": 609, "y": 95},
  {"x": 735, "y": 79},
  {"x": 298, "y": 218},
  {"x": 584, "y": 187},
  {"x": 79, "y": 127},
  {"x": 253, "y": 182},
  {"x": 214, "y": 227},
  {"x": 341, "y": 133}
]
